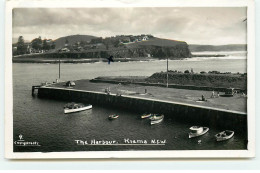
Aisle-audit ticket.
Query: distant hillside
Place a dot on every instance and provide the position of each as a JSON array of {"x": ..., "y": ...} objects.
[
  {"x": 156, "y": 42},
  {"x": 158, "y": 48},
  {"x": 230, "y": 47},
  {"x": 120, "y": 46},
  {"x": 125, "y": 46},
  {"x": 60, "y": 42}
]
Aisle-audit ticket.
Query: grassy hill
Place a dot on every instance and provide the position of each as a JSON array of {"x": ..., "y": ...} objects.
[
  {"x": 209, "y": 80},
  {"x": 229, "y": 47},
  {"x": 60, "y": 42},
  {"x": 119, "y": 46},
  {"x": 156, "y": 42}
]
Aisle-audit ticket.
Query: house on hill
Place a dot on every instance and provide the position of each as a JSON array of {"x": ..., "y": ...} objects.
[
  {"x": 65, "y": 49},
  {"x": 145, "y": 38}
]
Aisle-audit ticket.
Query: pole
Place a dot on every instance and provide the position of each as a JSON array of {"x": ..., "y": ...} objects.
[
  {"x": 167, "y": 74},
  {"x": 59, "y": 68}
]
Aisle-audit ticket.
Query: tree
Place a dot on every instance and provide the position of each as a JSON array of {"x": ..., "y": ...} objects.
[
  {"x": 67, "y": 41},
  {"x": 116, "y": 43},
  {"x": 186, "y": 71},
  {"x": 82, "y": 43},
  {"x": 53, "y": 45},
  {"x": 21, "y": 48},
  {"x": 45, "y": 45},
  {"x": 96, "y": 40},
  {"x": 37, "y": 43}
]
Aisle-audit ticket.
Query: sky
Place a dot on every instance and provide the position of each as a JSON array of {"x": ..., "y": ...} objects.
[{"x": 194, "y": 25}]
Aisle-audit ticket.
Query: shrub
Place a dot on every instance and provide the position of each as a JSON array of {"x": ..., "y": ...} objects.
[{"x": 186, "y": 71}]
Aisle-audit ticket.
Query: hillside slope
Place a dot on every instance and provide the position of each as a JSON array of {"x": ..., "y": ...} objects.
[
  {"x": 72, "y": 39},
  {"x": 158, "y": 48},
  {"x": 209, "y": 80},
  {"x": 156, "y": 42}
]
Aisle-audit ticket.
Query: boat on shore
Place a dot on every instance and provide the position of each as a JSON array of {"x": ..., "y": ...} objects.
[
  {"x": 113, "y": 116},
  {"x": 76, "y": 107},
  {"x": 225, "y": 135},
  {"x": 145, "y": 115},
  {"x": 155, "y": 119},
  {"x": 197, "y": 131}
]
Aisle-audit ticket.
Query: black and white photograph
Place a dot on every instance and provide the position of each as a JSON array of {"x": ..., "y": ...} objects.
[{"x": 129, "y": 81}]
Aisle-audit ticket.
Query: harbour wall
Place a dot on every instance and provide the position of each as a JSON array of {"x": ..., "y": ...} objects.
[{"x": 188, "y": 113}]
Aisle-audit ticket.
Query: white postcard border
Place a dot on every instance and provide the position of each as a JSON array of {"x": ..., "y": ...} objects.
[{"x": 130, "y": 154}]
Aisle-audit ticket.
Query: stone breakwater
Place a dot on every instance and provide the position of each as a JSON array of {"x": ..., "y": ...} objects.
[{"x": 198, "y": 115}]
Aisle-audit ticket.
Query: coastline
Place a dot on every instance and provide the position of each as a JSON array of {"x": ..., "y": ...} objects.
[
  {"x": 40, "y": 58},
  {"x": 92, "y": 60}
]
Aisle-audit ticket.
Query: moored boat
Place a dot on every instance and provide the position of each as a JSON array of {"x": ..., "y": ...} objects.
[
  {"x": 197, "y": 131},
  {"x": 146, "y": 115},
  {"x": 112, "y": 117},
  {"x": 225, "y": 135},
  {"x": 155, "y": 119},
  {"x": 76, "y": 107}
]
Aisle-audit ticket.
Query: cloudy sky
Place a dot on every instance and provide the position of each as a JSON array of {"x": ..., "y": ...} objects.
[{"x": 216, "y": 26}]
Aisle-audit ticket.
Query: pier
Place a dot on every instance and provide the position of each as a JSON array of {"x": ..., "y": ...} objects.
[
  {"x": 35, "y": 88},
  {"x": 212, "y": 114}
]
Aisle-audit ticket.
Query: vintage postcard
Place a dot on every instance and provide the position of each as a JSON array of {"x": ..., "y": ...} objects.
[{"x": 127, "y": 79}]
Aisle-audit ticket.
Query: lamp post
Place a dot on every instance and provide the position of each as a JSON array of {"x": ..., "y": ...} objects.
[
  {"x": 167, "y": 82},
  {"x": 59, "y": 68}
]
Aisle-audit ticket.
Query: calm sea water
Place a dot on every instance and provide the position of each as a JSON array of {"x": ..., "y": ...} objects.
[{"x": 42, "y": 120}]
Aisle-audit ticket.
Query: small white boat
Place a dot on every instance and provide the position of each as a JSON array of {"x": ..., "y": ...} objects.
[
  {"x": 146, "y": 115},
  {"x": 112, "y": 117},
  {"x": 156, "y": 119},
  {"x": 225, "y": 135},
  {"x": 197, "y": 131},
  {"x": 76, "y": 107}
]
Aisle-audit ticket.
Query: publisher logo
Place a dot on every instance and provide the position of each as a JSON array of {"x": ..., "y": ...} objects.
[
  {"x": 24, "y": 143},
  {"x": 21, "y": 137}
]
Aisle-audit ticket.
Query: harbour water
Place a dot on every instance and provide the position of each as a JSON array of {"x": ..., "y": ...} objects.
[{"x": 43, "y": 120}]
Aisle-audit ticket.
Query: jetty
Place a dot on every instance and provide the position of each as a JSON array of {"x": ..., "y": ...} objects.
[
  {"x": 180, "y": 104},
  {"x": 35, "y": 88}
]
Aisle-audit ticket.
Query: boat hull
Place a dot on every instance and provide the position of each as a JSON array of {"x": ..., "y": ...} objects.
[
  {"x": 113, "y": 117},
  {"x": 146, "y": 116},
  {"x": 219, "y": 136},
  {"x": 158, "y": 117},
  {"x": 156, "y": 121},
  {"x": 67, "y": 111},
  {"x": 205, "y": 130}
]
